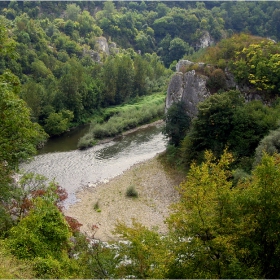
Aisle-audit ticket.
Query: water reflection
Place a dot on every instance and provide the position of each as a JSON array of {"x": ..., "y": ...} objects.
[
  {"x": 132, "y": 140},
  {"x": 66, "y": 142}
]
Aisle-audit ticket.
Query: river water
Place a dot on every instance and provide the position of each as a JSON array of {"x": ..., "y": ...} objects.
[{"x": 75, "y": 169}]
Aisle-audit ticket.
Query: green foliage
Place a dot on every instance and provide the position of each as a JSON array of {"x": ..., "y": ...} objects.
[
  {"x": 43, "y": 237},
  {"x": 57, "y": 123},
  {"x": 96, "y": 206},
  {"x": 42, "y": 233},
  {"x": 96, "y": 259},
  {"x": 124, "y": 118},
  {"x": 251, "y": 123},
  {"x": 259, "y": 64},
  {"x": 231, "y": 232},
  {"x": 144, "y": 253},
  {"x": 173, "y": 156},
  {"x": 11, "y": 268},
  {"x": 126, "y": 77},
  {"x": 127, "y": 120},
  {"x": 25, "y": 190},
  {"x": 48, "y": 267},
  {"x": 260, "y": 219},
  {"x": 216, "y": 230},
  {"x": 19, "y": 136},
  {"x": 177, "y": 123},
  {"x": 86, "y": 141},
  {"x": 226, "y": 49},
  {"x": 239, "y": 175},
  {"x": 217, "y": 80},
  {"x": 230, "y": 222},
  {"x": 225, "y": 120},
  {"x": 54, "y": 44},
  {"x": 72, "y": 12},
  {"x": 202, "y": 223},
  {"x": 131, "y": 192},
  {"x": 269, "y": 145},
  {"x": 178, "y": 48}
]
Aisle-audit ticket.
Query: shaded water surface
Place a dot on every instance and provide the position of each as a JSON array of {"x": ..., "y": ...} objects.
[
  {"x": 75, "y": 169},
  {"x": 66, "y": 142}
]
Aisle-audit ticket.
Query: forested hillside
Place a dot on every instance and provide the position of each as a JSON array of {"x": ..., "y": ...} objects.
[
  {"x": 56, "y": 72},
  {"x": 55, "y": 41}
]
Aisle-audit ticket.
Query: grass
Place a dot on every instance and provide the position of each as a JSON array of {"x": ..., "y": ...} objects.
[
  {"x": 131, "y": 192},
  {"x": 122, "y": 118},
  {"x": 96, "y": 206}
]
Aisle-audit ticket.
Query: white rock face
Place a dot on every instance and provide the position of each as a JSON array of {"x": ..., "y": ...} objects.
[
  {"x": 183, "y": 63},
  {"x": 189, "y": 88},
  {"x": 205, "y": 41},
  {"x": 102, "y": 45}
]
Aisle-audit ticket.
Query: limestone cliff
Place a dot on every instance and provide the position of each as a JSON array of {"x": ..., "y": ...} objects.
[{"x": 189, "y": 87}]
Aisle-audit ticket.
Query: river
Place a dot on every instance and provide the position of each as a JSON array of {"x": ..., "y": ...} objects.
[{"x": 75, "y": 169}]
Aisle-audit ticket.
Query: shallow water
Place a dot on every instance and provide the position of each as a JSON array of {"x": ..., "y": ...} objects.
[{"x": 76, "y": 169}]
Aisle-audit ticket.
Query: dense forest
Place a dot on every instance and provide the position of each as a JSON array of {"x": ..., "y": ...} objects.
[{"x": 55, "y": 75}]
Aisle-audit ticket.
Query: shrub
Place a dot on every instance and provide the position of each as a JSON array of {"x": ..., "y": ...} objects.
[
  {"x": 96, "y": 206},
  {"x": 217, "y": 80},
  {"x": 269, "y": 144},
  {"x": 48, "y": 268},
  {"x": 44, "y": 232},
  {"x": 131, "y": 192},
  {"x": 86, "y": 141},
  {"x": 11, "y": 267},
  {"x": 239, "y": 175},
  {"x": 177, "y": 123}
]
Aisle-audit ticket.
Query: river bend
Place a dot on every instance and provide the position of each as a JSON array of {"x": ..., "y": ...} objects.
[{"x": 76, "y": 169}]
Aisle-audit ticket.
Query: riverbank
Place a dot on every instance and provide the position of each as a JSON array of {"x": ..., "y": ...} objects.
[
  {"x": 127, "y": 132},
  {"x": 119, "y": 119},
  {"x": 106, "y": 203}
]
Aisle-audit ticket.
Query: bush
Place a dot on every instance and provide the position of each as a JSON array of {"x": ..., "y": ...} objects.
[
  {"x": 270, "y": 145},
  {"x": 96, "y": 206},
  {"x": 48, "y": 268},
  {"x": 131, "y": 192},
  {"x": 43, "y": 233},
  {"x": 12, "y": 268},
  {"x": 86, "y": 141},
  {"x": 177, "y": 123},
  {"x": 239, "y": 175},
  {"x": 216, "y": 81}
]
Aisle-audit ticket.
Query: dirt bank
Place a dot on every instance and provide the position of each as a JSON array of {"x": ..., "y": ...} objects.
[{"x": 155, "y": 187}]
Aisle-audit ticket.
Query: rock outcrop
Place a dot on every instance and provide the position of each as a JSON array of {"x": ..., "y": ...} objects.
[
  {"x": 102, "y": 48},
  {"x": 95, "y": 56},
  {"x": 189, "y": 87},
  {"x": 205, "y": 41},
  {"x": 102, "y": 45}
]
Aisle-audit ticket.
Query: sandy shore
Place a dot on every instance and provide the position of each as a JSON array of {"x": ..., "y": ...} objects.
[{"x": 156, "y": 189}]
